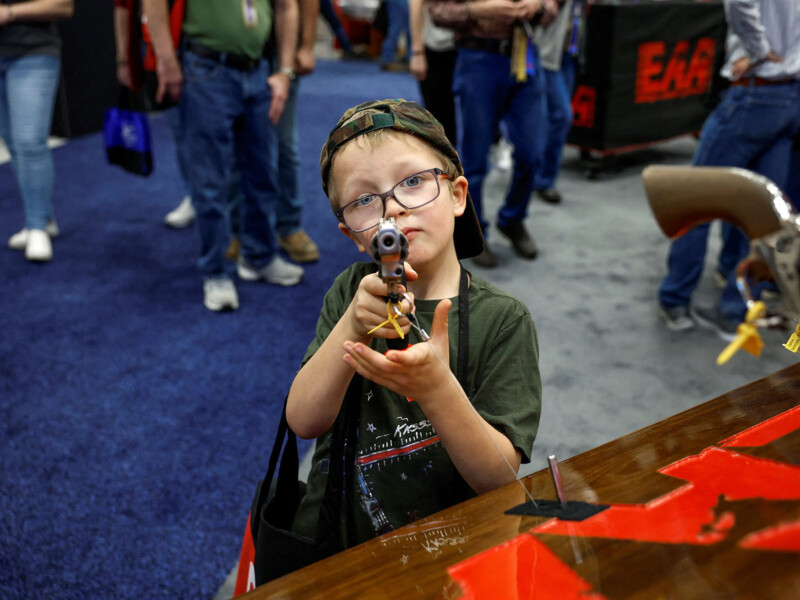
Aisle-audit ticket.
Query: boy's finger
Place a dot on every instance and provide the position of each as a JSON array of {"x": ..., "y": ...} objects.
[
  {"x": 373, "y": 284},
  {"x": 411, "y": 274},
  {"x": 404, "y": 359},
  {"x": 439, "y": 326},
  {"x": 368, "y": 359}
]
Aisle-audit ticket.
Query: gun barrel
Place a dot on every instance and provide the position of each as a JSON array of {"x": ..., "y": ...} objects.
[{"x": 389, "y": 249}]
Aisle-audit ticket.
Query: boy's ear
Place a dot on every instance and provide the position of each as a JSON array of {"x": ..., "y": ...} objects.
[
  {"x": 460, "y": 186},
  {"x": 343, "y": 228}
]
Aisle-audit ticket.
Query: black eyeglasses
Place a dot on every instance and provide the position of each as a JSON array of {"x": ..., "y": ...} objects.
[{"x": 415, "y": 191}]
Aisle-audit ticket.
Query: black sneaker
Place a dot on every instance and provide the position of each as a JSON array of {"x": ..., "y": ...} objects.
[
  {"x": 712, "y": 319},
  {"x": 677, "y": 318},
  {"x": 485, "y": 259},
  {"x": 551, "y": 196},
  {"x": 520, "y": 239}
]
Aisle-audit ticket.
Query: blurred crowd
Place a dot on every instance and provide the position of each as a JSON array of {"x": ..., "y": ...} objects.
[{"x": 228, "y": 77}]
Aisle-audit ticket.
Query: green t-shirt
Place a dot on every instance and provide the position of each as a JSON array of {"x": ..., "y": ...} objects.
[
  {"x": 220, "y": 24},
  {"x": 403, "y": 462}
]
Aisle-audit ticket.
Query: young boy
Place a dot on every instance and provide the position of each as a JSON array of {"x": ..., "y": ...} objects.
[{"x": 421, "y": 446}]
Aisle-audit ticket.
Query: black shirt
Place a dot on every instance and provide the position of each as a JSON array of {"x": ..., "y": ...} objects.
[{"x": 22, "y": 38}]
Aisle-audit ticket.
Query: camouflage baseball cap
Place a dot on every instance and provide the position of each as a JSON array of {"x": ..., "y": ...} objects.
[{"x": 413, "y": 119}]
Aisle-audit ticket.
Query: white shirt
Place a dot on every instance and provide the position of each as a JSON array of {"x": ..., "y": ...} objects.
[{"x": 756, "y": 27}]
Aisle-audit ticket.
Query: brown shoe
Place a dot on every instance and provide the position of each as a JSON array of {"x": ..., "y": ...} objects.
[
  {"x": 395, "y": 67},
  {"x": 232, "y": 253},
  {"x": 300, "y": 247}
]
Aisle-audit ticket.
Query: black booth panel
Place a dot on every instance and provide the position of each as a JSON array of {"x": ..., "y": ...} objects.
[
  {"x": 647, "y": 71},
  {"x": 591, "y": 92},
  {"x": 88, "y": 69}
]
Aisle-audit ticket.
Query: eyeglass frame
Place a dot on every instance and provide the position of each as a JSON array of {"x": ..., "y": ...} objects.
[{"x": 390, "y": 194}]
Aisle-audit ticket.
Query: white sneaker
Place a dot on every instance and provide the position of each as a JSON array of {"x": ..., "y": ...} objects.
[
  {"x": 503, "y": 156},
  {"x": 220, "y": 294},
  {"x": 182, "y": 216},
  {"x": 39, "y": 247},
  {"x": 19, "y": 240},
  {"x": 277, "y": 271}
]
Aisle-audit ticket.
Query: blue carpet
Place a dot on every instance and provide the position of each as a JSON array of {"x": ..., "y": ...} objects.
[{"x": 134, "y": 423}]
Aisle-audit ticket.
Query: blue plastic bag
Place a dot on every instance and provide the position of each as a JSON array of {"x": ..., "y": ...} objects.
[{"x": 127, "y": 136}]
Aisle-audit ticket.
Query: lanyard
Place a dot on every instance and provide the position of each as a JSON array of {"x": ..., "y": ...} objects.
[
  {"x": 369, "y": 503},
  {"x": 249, "y": 13},
  {"x": 577, "y": 11}
]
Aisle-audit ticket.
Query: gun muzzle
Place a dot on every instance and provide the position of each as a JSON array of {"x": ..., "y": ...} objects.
[{"x": 389, "y": 249}]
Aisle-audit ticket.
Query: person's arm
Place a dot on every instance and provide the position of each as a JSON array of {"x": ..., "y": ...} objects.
[
  {"x": 121, "y": 24},
  {"x": 37, "y": 10},
  {"x": 450, "y": 14},
  {"x": 744, "y": 19},
  {"x": 458, "y": 15},
  {"x": 418, "y": 65},
  {"x": 286, "y": 20},
  {"x": 309, "y": 12},
  {"x": 478, "y": 450},
  {"x": 168, "y": 68}
]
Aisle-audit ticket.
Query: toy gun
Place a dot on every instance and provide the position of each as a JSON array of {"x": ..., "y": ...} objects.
[
  {"x": 389, "y": 249},
  {"x": 683, "y": 197}
]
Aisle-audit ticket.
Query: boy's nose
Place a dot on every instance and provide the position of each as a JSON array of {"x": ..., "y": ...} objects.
[{"x": 394, "y": 208}]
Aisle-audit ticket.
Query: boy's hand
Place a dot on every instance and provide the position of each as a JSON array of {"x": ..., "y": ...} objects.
[
  {"x": 416, "y": 372},
  {"x": 368, "y": 308}
]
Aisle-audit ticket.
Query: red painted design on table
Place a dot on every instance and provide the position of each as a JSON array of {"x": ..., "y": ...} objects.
[
  {"x": 766, "y": 432},
  {"x": 688, "y": 515},
  {"x": 521, "y": 569}
]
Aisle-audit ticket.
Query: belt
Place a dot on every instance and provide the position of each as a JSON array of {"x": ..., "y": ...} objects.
[
  {"x": 759, "y": 81},
  {"x": 234, "y": 61},
  {"x": 502, "y": 47}
]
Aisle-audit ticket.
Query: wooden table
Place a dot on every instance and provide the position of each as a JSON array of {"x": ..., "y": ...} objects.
[{"x": 696, "y": 511}]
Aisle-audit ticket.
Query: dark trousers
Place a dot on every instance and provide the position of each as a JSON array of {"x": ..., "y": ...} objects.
[{"x": 437, "y": 90}]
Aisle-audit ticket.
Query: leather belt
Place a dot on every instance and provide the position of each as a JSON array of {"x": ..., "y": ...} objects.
[
  {"x": 234, "y": 61},
  {"x": 502, "y": 47},
  {"x": 759, "y": 81}
]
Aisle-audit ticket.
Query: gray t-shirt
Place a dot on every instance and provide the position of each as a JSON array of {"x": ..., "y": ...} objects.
[{"x": 403, "y": 462}]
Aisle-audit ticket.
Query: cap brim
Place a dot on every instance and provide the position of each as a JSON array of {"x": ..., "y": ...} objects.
[{"x": 467, "y": 233}]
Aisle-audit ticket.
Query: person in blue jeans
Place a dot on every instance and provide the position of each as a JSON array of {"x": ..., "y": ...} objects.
[
  {"x": 335, "y": 23},
  {"x": 753, "y": 127},
  {"x": 558, "y": 64},
  {"x": 30, "y": 61},
  {"x": 229, "y": 104},
  {"x": 397, "y": 18},
  {"x": 289, "y": 208},
  {"x": 487, "y": 92}
]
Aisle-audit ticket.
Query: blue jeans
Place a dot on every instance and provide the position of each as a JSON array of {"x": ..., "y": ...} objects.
[
  {"x": 27, "y": 95},
  {"x": 330, "y": 16},
  {"x": 487, "y": 94},
  {"x": 226, "y": 119},
  {"x": 289, "y": 210},
  {"x": 559, "y": 120},
  {"x": 754, "y": 128},
  {"x": 397, "y": 18},
  {"x": 173, "y": 117}
]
